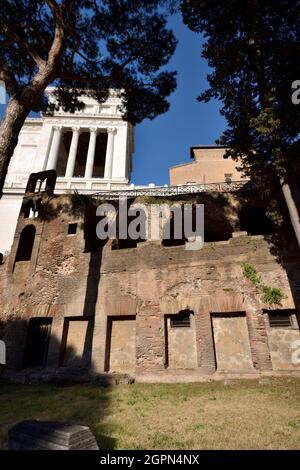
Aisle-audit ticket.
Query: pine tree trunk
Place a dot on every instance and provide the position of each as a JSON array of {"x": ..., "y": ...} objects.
[
  {"x": 264, "y": 95},
  {"x": 292, "y": 208},
  {"x": 11, "y": 125},
  {"x": 17, "y": 111}
]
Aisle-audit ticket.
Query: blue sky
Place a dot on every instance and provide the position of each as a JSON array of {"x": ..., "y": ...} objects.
[{"x": 166, "y": 140}]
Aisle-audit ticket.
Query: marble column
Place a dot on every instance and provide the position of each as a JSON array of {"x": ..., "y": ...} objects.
[
  {"x": 109, "y": 152},
  {"x": 91, "y": 153},
  {"x": 72, "y": 153},
  {"x": 54, "y": 151}
]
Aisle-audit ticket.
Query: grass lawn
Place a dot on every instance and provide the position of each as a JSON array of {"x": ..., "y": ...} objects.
[{"x": 240, "y": 415}]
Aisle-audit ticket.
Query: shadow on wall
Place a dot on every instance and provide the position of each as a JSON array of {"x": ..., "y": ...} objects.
[
  {"x": 94, "y": 246},
  {"x": 40, "y": 394},
  {"x": 284, "y": 246},
  {"x": 75, "y": 329},
  {"x": 34, "y": 348},
  {"x": 31, "y": 343}
]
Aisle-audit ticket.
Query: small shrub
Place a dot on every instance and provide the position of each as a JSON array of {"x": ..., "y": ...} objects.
[
  {"x": 212, "y": 245},
  {"x": 103, "y": 200},
  {"x": 250, "y": 273},
  {"x": 79, "y": 199},
  {"x": 152, "y": 200},
  {"x": 157, "y": 200},
  {"x": 271, "y": 295}
]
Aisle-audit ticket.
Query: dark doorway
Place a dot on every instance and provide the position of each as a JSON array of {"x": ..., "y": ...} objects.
[
  {"x": 216, "y": 235},
  {"x": 254, "y": 221},
  {"x": 129, "y": 242},
  {"x": 28, "y": 207},
  {"x": 26, "y": 243},
  {"x": 37, "y": 342},
  {"x": 170, "y": 237},
  {"x": 93, "y": 244}
]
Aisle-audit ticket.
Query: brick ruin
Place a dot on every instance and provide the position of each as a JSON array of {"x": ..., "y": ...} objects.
[{"x": 150, "y": 309}]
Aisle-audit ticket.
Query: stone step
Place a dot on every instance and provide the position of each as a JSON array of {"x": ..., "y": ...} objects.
[{"x": 50, "y": 435}]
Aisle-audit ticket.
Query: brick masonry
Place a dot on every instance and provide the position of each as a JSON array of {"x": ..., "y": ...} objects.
[{"x": 147, "y": 283}]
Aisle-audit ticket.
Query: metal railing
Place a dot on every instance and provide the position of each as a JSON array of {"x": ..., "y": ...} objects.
[{"x": 176, "y": 190}]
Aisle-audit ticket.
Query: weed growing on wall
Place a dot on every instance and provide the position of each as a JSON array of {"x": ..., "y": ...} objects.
[{"x": 271, "y": 295}]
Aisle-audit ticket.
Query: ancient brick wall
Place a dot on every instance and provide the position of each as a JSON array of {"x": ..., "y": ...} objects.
[{"x": 148, "y": 284}]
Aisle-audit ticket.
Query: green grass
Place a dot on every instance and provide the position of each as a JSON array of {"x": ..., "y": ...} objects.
[{"x": 240, "y": 415}]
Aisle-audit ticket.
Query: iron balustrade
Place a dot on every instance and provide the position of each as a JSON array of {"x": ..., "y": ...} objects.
[{"x": 223, "y": 187}]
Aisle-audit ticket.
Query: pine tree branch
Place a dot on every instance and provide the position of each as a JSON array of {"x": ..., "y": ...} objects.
[
  {"x": 72, "y": 76},
  {"x": 59, "y": 33},
  {"x": 10, "y": 33}
]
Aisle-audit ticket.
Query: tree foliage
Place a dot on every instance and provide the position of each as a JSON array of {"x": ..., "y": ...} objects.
[
  {"x": 253, "y": 48},
  {"x": 118, "y": 44}
]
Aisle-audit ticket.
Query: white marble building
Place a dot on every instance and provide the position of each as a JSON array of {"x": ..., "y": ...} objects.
[{"x": 91, "y": 150}]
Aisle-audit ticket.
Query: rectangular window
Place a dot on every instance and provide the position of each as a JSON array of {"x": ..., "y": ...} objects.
[
  {"x": 182, "y": 320},
  {"x": 72, "y": 229},
  {"x": 280, "y": 318}
]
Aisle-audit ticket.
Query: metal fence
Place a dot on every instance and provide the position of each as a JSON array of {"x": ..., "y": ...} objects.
[{"x": 223, "y": 187}]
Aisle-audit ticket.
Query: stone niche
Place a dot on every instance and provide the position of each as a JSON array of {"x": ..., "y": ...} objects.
[
  {"x": 121, "y": 344},
  {"x": 232, "y": 345},
  {"x": 181, "y": 348},
  {"x": 76, "y": 341}
]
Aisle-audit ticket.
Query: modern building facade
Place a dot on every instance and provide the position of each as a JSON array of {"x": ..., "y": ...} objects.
[{"x": 208, "y": 166}]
